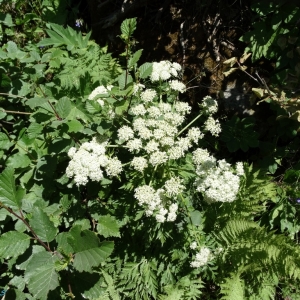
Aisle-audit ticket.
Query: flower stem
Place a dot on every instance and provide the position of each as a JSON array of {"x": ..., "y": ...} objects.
[{"x": 188, "y": 125}]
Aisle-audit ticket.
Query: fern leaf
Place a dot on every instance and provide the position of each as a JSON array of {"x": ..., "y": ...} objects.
[{"x": 232, "y": 288}]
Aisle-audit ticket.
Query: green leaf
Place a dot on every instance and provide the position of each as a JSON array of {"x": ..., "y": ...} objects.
[
  {"x": 36, "y": 101},
  {"x": 4, "y": 141},
  {"x": 121, "y": 106},
  {"x": 89, "y": 251},
  {"x": 18, "y": 160},
  {"x": 41, "y": 275},
  {"x": 196, "y": 217},
  {"x": 108, "y": 226},
  {"x": 63, "y": 107},
  {"x": 75, "y": 126},
  {"x": 8, "y": 194},
  {"x": 34, "y": 130},
  {"x": 13, "y": 244},
  {"x": 128, "y": 26},
  {"x": 145, "y": 70},
  {"x": 42, "y": 225},
  {"x": 76, "y": 113},
  {"x": 135, "y": 57},
  {"x": 6, "y": 19}
]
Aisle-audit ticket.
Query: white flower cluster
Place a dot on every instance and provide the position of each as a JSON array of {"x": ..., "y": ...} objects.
[
  {"x": 202, "y": 258},
  {"x": 177, "y": 86},
  {"x": 164, "y": 70},
  {"x": 193, "y": 245},
  {"x": 100, "y": 90},
  {"x": 209, "y": 105},
  {"x": 154, "y": 133},
  {"x": 213, "y": 126},
  {"x": 216, "y": 181},
  {"x": 157, "y": 201},
  {"x": 89, "y": 161}
]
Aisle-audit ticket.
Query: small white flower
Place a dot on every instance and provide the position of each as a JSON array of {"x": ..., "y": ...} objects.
[
  {"x": 148, "y": 95},
  {"x": 202, "y": 258},
  {"x": 137, "y": 87},
  {"x": 151, "y": 147},
  {"x": 240, "y": 169},
  {"x": 97, "y": 91},
  {"x": 138, "y": 110},
  {"x": 114, "y": 167},
  {"x": 176, "y": 85},
  {"x": 193, "y": 245},
  {"x": 176, "y": 66},
  {"x": 158, "y": 158},
  {"x": 209, "y": 105},
  {"x": 154, "y": 112},
  {"x": 72, "y": 152},
  {"x": 134, "y": 145},
  {"x": 125, "y": 133},
  {"x": 182, "y": 108},
  {"x": 173, "y": 187},
  {"x": 139, "y": 163},
  {"x": 195, "y": 135},
  {"x": 213, "y": 126}
]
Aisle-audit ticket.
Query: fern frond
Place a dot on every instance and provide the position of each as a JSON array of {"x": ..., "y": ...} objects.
[
  {"x": 232, "y": 288},
  {"x": 253, "y": 250}
]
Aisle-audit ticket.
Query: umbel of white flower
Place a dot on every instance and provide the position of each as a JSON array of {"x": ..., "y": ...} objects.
[
  {"x": 216, "y": 180},
  {"x": 158, "y": 202},
  {"x": 202, "y": 258},
  {"x": 154, "y": 133},
  {"x": 89, "y": 162}
]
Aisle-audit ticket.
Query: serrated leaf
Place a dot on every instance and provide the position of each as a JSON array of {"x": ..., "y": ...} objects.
[
  {"x": 4, "y": 141},
  {"x": 34, "y": 130},
  {"x": 63, "y": 107},
  {"x": 42, "y": 225},
  {"x": 135, "y": 57},
  {"x": 8, "y": 193},
  {"x": 128, "y": 26},
  {"x": 76, "y": 113},
  {"x": 18, "y": 160},
  {"x": 87, "y": 259},
  {"x": 13, "y": 244},
  {"x": 108, "y": 226},
  {"x": 40, "y": 274},
  {"x": 92, "y": 106},
  {"x": 145, "y": 70},
  {"x": 89, "y": 251}
]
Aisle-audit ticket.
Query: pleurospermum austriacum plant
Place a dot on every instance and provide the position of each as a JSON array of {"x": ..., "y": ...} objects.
[{"x": 110, "y": 190}]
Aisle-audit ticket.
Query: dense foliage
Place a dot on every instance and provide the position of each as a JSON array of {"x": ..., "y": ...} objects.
[{"x": 112, "y": 187}]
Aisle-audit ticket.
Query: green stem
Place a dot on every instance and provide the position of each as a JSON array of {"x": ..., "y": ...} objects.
[
  {"x": 152, "y": 175},
  {"x": 12, "y": 95},
  {"x": 22, "y": 218},
  {"x": 188, "y": 125}
]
